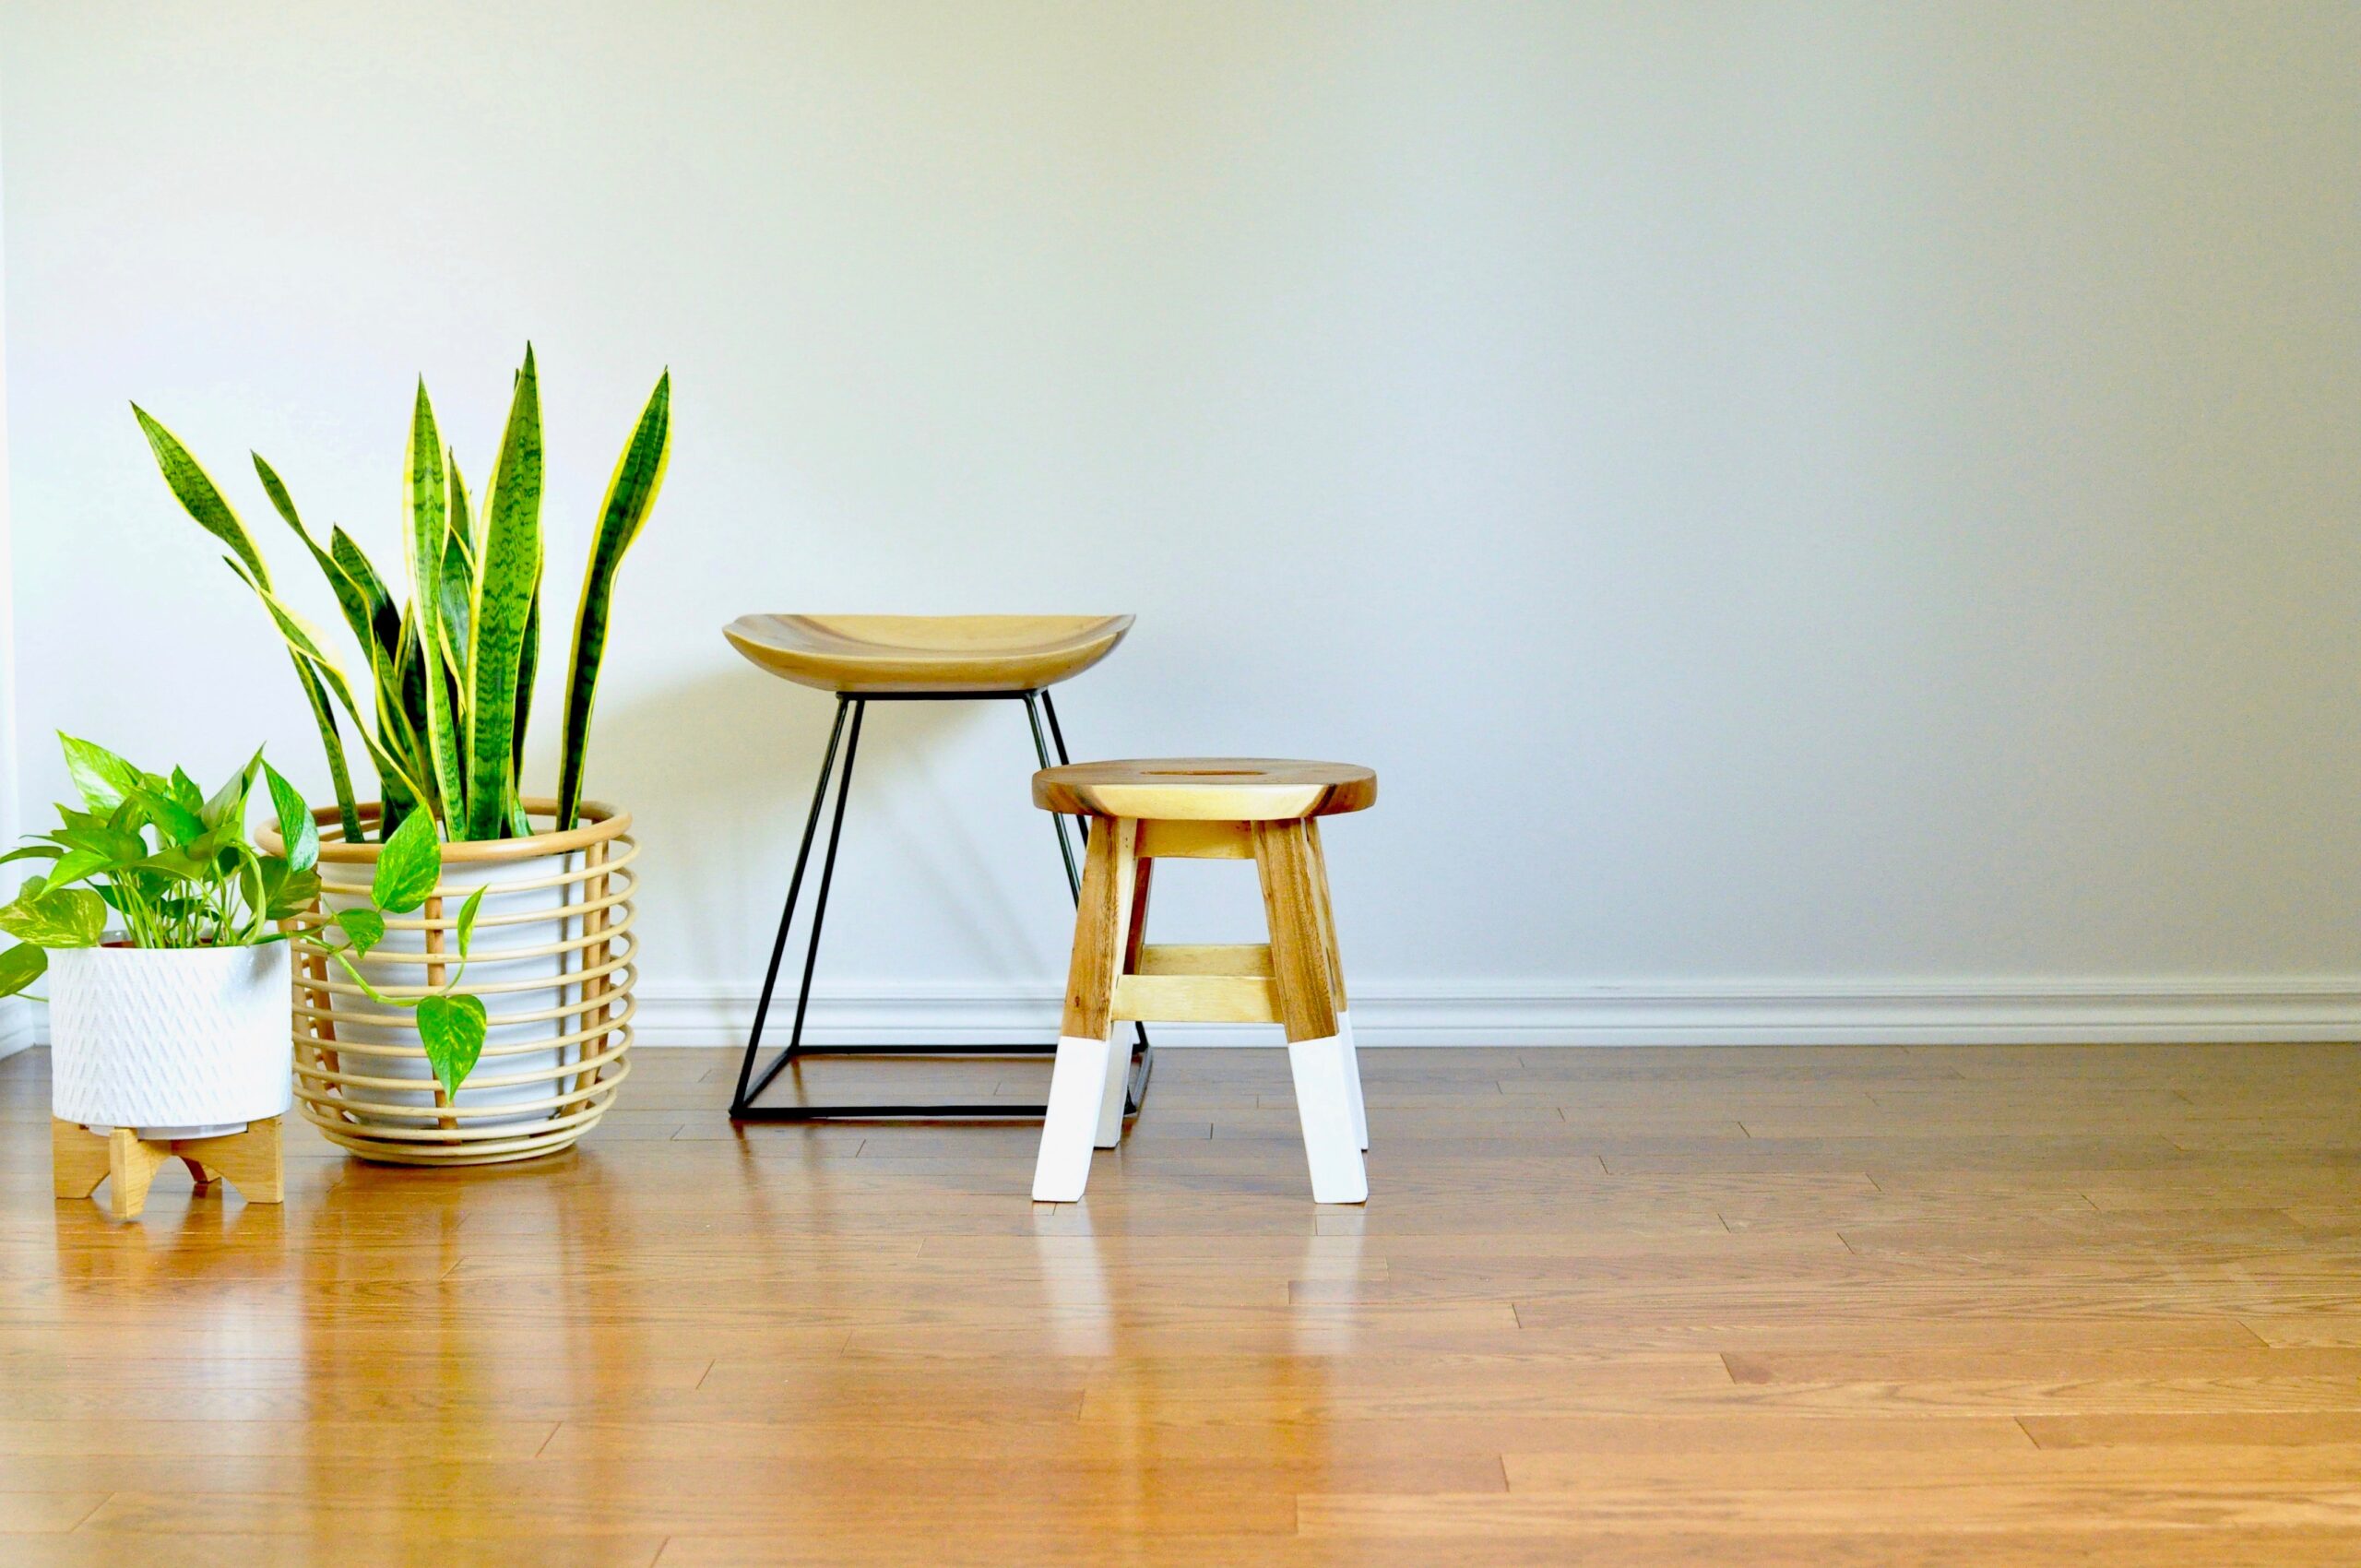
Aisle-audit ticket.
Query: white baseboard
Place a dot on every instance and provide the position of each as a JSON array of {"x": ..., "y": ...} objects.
[
  {"x": 1858, "y": 1013},
  {"x": 1862, "y": 1013},
  {"x": 16, "y": 1026}
]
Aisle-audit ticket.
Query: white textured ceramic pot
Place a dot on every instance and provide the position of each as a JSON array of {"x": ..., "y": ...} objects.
[
  {"x": 550, "y": 959},
  {"x": 173, "y": 1043}
]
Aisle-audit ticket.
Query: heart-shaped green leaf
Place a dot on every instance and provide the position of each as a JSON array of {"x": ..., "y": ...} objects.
[
  {"x": 363, "y": 929},
  {"x": 295, "y": 824},
  {"x": 103, "y": 777},
  {"x": 229, "y": 800},
  {"x": 408, "y": 867},
  {"x": 177, "y": 822},
  {"x": 452, "y": 1030},
  {"x": 90, "y": 850},
  {"x": 468, "y": 918},
  {"x": 19, "y": 967},
  {"x": 68, "y": 917},
  {"x": 287, "y": 893},
  {"x": 184, "y": 788}
]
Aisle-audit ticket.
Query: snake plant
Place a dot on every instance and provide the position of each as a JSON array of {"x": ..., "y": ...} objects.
[{"x": 451, "y": 669}]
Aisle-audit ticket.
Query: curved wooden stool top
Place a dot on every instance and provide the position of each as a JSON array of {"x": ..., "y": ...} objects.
[
  {"x": 1211, "y": 788},
  {"x": 927, "y": 653}
]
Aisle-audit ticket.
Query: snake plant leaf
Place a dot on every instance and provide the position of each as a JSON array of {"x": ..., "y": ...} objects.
[
  {"x": 305, "y": 643},
  {"x": 401, "y": 712},
  {"x": 384, "y": 618},
  {"x": 408, "y": 867},
  {"x": 352, "y": 598},
  {"x": 507, "y": 578},
  {"x": 104, "y": 779},
  {"x": 459, "y": 580},
  {"x": 323, "y": 716},
  {"x": 19, "y": 967},
  {"x": 463, "y": 526},
  {"x": 64, "y": 917},
  {"x": 429, "y": 519},
  {"x": 296, "y": 829},
  {"x": 397, "y": 723},
  {"x": 631, "y": 495},
  {"x": 399, "y": 804},
  {"x": 520, "y": 825},
  {"x": 528, "y": 662},
  {"x": 200, "y": 497},
  {"x": 456, "y": 586},
  {"x": 451, "y": 1028}
]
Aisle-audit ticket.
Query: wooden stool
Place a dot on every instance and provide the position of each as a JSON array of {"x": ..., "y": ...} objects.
[
  {"x": 79, "y": 1159},
  {"x": 1211, "y": 808}
]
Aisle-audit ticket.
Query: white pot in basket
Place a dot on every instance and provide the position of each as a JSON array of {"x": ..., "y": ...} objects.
[
  {"x": 550, "y": 960},
  {"x": 173, "y": 1043},
  {"x": 510, "y": 987}
]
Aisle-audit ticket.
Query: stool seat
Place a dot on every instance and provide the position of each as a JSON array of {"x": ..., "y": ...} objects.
[
  {"x": 1209, "y": 789},
  {"x": 927, "y": 653}
]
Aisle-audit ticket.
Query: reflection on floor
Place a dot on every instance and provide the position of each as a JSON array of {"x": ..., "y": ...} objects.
[{"x": 1859, "y": 1306}]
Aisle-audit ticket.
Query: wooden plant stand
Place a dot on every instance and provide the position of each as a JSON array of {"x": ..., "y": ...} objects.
[{"x": 79, "y": 1159}]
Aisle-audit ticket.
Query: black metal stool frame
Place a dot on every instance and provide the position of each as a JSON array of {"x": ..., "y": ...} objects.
[{"x": 855, "y": 706}]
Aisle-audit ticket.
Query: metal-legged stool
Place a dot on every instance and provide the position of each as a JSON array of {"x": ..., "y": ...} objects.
[{"x": 866, "y": 658}]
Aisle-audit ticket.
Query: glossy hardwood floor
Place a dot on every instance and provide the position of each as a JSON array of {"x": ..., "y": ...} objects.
[{"x": 1767, "y": 1307}]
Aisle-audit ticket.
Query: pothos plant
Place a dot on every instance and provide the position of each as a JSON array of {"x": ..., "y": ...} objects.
[
  {"x": 451, "y": 667},
  {"x": 159, "y": 863}
]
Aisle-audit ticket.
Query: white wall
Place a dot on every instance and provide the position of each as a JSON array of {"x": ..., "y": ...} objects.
[
  {"x": 1830, "y": 521},
  {"x": 16, "y": 1028}
]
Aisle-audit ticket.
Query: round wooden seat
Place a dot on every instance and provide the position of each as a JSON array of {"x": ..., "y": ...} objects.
[
  {"x": 1216, "y": 788},
  {"x": 927, "y": 653}
]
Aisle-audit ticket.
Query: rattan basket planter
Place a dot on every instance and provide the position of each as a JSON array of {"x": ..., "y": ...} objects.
[{"x": 552, "y": 958}]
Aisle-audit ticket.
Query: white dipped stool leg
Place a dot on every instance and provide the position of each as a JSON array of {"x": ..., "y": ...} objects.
[
  {"x": 1111, "y": 1096},
  {"x": 1324, "y": 912},
  {"x": 1293, "y": 892},
  {"x": 1085, "y": 1074},
  {"x": 1324, "y": 1101},
  {"x": 1063, "y": 1170},
  {"x": 1353, "y": 1080}
]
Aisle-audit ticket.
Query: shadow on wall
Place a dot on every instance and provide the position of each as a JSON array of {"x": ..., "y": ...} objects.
[{"x": 719, "y": 772}]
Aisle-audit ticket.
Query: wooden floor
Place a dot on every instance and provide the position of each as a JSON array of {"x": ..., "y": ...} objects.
[{"x": 1769, "y": 1307}]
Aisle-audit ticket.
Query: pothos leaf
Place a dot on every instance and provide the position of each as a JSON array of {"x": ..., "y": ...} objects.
[
  {"x": 231, "y": 799},
  {"x": 468, "y": 920},
  {"x": 103, "y": 777},
  {"x": 451, "y": 1028},
  {"x": 288, "y": 893},
  {"x": 19, "y": 967},
  {"x": 295, "y": 825},
  {"x": 363, "y": 929},
  {"x": 178, "y": 824},
  {"x": 66, "y": 916},
  {"x": 408, "y": 867}
]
